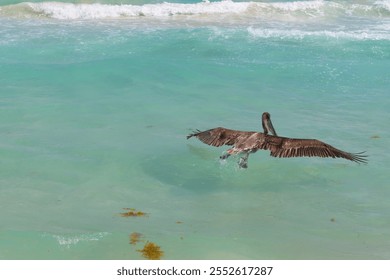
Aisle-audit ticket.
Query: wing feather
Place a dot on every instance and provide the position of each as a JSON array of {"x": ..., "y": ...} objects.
[
  {"x": 290, "y": 147},
  {"x": 219, "y": 136}
]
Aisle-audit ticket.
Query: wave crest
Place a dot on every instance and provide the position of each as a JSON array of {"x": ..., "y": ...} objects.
[
  {"x": 279, "y": 10},
  {"x": 358, "y": 35}
]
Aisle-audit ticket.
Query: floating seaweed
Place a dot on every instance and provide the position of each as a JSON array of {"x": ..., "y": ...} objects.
[
  {"x": 375, "y": 137},
  {"x": 179, "y": 222},
  {"x": 151, "y": 251},
  {"x": 333, "y": 220},
  {"x": 135, "y": 237},
  {"x": 131, "y": 212}
]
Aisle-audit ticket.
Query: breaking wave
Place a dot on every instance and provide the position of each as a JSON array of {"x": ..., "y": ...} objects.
[
  {"x": 331, "y": 34},
  {"x": 325, "y": 19},
  {"x": 282, "y": 10}
]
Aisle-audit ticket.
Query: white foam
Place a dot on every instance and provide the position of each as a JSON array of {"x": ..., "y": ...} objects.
[
  {"x": 93, "y": 11},
  {"x": 384, "y": 4},
  {"x": 295, "y": 9},
  {"x": 67, "y": 241},
  {"x": 298, "y": 5},
  {"x": 301, "y": 34},
  {"x": 320, "y": 18}
]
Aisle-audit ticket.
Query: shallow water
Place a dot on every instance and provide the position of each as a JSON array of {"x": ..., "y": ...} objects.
[{"x": 96, "y": 101}]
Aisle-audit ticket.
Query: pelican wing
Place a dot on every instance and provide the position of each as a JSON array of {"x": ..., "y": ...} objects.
[
  {"x": 219, "y": 136},
  {"x": 290, "y": 147}
]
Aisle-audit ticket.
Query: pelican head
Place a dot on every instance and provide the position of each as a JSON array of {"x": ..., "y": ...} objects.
[{"x": 267, "y": 124}]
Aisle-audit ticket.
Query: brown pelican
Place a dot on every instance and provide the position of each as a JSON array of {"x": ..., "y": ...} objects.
[{"x": 247, "y": 142}]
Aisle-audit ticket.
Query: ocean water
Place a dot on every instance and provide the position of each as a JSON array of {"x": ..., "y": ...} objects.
[{"x": 97, "y": 97}]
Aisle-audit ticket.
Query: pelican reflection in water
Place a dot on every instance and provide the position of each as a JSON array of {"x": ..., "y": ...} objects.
[{"x": 248, "y": 142}]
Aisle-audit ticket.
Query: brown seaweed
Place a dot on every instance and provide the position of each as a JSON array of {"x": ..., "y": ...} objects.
[
  {"x": 151, "y": 251},
  {"x": 135, "y": 237},
  {"x": 131, "y": 212}
]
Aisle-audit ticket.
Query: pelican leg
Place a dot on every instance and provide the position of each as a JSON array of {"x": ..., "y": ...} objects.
[{"x": 243, "y": 162}]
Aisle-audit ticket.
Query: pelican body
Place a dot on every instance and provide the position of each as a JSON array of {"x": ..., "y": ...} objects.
[{"x": 248, "y": 142}]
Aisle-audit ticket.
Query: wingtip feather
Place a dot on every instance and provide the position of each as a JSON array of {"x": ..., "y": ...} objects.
[
  {"x": 194, "y": 133},
  {"x": 360, "y": 157}
]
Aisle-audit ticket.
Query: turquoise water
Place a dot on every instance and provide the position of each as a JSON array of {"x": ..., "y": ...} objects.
[{"x": 96, "y": 100}]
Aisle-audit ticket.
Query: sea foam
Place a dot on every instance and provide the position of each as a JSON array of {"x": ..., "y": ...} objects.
[
  {"x": 260, "y": 10},
  {"x": 96, "y": 11},
  {"x": 67, "y": 241},
  {"x": 359, "y": 35},
  {"x": 384, "y": 4}
]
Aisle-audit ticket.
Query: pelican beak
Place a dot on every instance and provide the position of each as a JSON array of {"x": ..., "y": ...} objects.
[{"x": 270, "y": 127}]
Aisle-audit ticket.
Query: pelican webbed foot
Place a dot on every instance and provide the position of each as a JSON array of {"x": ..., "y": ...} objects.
[
  {"x": 243, "y": 162},
  {"x": 225, "y": 156}
]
